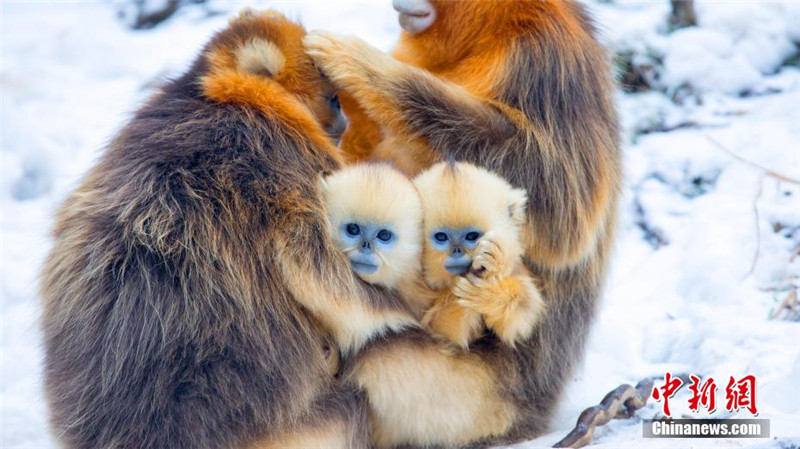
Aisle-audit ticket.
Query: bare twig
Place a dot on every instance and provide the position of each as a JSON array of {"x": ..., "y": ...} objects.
[
  {"x": 789, "y": 304},
  {"x": 765, "y": 170},
  {"x": 758, "y": 225},
  {"x": 795, "y": 254}
]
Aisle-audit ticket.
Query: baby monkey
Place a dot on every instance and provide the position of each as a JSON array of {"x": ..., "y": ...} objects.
[
  {"x": 459, "y": 225},
  {"x": 376, "y": 220},
  {"x": 472, "y": 255}
]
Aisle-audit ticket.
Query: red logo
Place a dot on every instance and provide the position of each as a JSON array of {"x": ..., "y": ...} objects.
[
  {"x": 671, "y": 386},
  {"x": 703, "y": 395},
  {"x": 739, "y": 394}
]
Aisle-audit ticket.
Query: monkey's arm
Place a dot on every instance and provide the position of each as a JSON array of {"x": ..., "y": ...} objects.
[
  {"x": 568, "y": 183},
  {"x": 446, "y": 318},
  {"x": 511, "y": 306},
  {"x": 416, "y": 293},
  {"x": 320, "y": 278},
  {"x": 500, "y": 289},
  {"x": 439, "y": 312},
  {"x": 408, "y": 100}
]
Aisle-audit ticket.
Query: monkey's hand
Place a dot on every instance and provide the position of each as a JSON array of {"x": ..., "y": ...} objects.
[
  {"x": 511, "y": 306},
  {"x": 494, "y": 256},
  {"x": 349, "y": 62}
]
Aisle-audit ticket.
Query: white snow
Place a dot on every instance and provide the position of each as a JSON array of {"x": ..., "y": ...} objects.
[{"x": 693, "y": 294}]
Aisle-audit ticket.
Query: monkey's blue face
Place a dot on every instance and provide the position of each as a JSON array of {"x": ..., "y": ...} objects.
[
  {"x": 370, "y": 240},
  {"x": 458, "y": 245}
]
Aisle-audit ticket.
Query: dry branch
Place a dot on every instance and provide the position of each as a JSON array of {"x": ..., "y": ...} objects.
[
  {"x": 765, "y": 170},
  {"x": 790, "y": 305},
  {"x": 758, "y": 225}
]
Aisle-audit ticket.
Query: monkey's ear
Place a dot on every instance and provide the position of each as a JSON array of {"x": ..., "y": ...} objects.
[
  {"x": 260, "y": 56},
  {"x": 246, "y": 13},
  {"x": 518, "y": 205}
]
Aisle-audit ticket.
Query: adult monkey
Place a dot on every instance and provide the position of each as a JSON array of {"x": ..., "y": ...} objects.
[
  {"x": 524, "y": 89},
  {"x": 192, "y": 281}
]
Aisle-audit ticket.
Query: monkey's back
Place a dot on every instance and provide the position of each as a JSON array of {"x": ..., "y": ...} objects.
[
  {"x": 564, "y": 86},
  {"x": 568, "y": 157},
  {"x": 165, "y": 321}
]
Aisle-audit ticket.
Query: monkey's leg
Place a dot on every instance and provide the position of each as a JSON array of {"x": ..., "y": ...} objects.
[
  {"x": 422, "y": 393},
  {"x": 459, "y": 325},
  {"x": 338, "y": 420},
  {"x": 320, "y": 278}
]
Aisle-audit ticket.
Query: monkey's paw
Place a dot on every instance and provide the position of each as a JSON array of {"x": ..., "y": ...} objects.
[
  {"x": 480, "y": 294},
  {"x": 490, "y": 258},
  {"x": 349, "y": 62}
]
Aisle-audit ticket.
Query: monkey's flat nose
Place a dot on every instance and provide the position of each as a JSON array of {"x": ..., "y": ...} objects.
[{"x": 457, "y": 252}]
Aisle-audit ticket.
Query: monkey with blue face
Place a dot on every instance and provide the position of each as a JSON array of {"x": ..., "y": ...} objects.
[
  {"x": 448, "y": 243},
  {"x": 376, "y": 220},
  {"x": 472, "y": 255}
]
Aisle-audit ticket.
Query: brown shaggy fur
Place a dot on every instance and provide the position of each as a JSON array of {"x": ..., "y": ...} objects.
[
  {"x": 193, "y": 283},
  {"x": 523, "y": 89}
]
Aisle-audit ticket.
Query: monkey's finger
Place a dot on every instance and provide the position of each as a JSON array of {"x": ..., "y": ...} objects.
[
  {"x": 491, "y": 247},
  {"x": 464, "y": 288},
  {"x": 477, "y": 269},
  {"x": 320, "y": 45},
  {"x": 469, "y": 304},
  {"x": 486, "y": 264}
]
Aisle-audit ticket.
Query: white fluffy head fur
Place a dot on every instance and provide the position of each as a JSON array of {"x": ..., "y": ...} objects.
[
  {"x": 377, "y": 193},
  {"x": 260, "y": 56},
  {"x": 460, "y": 195}
]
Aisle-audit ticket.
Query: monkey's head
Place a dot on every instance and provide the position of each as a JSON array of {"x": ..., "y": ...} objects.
[
  {"x": 460, "y": 204},
  {"x": 376, "y": 220},
  {"x": 260, "y": 58},
  {"x": 444, "y": 31}
]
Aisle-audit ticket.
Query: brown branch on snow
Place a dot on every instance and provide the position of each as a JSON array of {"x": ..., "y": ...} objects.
[
  {"x": 795, "y": 254},
  {"x": 621, "y": 402},
  {"x": 790, "y": 304},
  {"x": 765, "y": 170}
]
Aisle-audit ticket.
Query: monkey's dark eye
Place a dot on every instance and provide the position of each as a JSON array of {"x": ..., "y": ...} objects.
[
  {"x": 384, "y": 235},
  {"x": 335, "y": 105},
  {"x": 353, "y": 229},
  {"x": 472, "y": 236},
  {"x": 440, "y": 237}
]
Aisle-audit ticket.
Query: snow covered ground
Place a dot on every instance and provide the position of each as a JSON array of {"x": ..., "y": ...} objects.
[{"x": 706, "y": 236}]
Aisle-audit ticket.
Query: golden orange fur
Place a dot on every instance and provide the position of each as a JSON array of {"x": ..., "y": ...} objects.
[
  {"x": 499, "y": 292},
  {"x": 524, "y": 89},
  {"x": 193, "y": 296}
]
